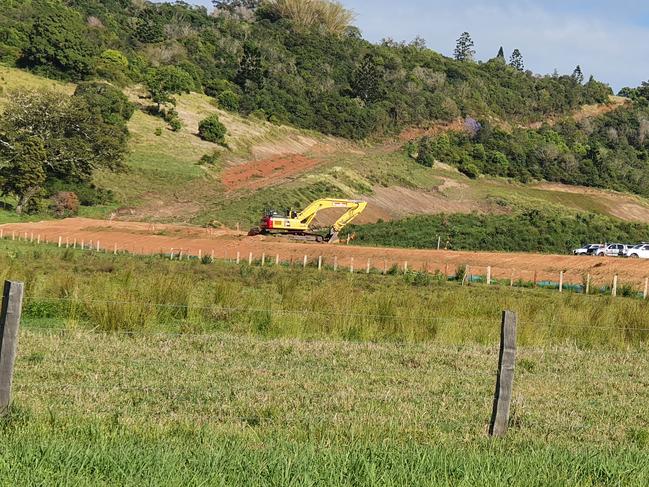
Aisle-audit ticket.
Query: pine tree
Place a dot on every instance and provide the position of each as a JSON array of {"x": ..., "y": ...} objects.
[
  {"x": 578, "y": 75},
  {"x": 464, "y": 48},
  {"x": 516, "y": 61},
  {"x": 501, "y": 54}
]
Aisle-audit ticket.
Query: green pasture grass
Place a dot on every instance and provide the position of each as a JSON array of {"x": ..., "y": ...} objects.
[
  {"x": 223, "y": 409},
  {"x": 80, "y": 289}
]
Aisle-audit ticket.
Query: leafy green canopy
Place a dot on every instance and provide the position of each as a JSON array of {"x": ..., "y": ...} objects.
[
  {"x": 46, "y": 137},
  {"x": 611, "y": 151},
  {"x": 282, "y": 63},
  {"x": 530, "y": 230},
  {"x": 212, "y": 130}
]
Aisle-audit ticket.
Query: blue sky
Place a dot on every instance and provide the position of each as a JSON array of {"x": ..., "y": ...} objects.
[{"x": 608, "y": 38}]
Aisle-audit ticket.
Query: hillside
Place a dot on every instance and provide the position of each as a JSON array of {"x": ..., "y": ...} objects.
[{"x": 271, "y": 156}]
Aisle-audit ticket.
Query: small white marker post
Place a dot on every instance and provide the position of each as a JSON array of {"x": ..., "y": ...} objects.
[
  {"x": 385, "y": 266},
  {"x": 351, "y": 265},
  {"x": 200, "y": 254},
  {"x": 439, "y": 242},
  {"x": 335, "y": 263},
  {"x": 171, "y": 252},
  {"x": 263, "y": 259},
  {"x": 38, "y": 239},
  {"x": 561, "y": 282},
  {"x": 588, "y": 284},
  {"x": 368, "y": 266},
  {"x": 115, "y": 250},
  {"x": 488, "y": 275},
  {"x": 250, "y": 258},
  {"x": 67, "y": 242},
  {"x": 646, "y": 288},
  {"x": 238, "y": 257},
  {"x": 405, "y": 267},
  {"x": 304, "y": 262},
  {"x": 98, "y": 248},
  {"x": 277, "y": 259},
  {"x": 82, "y": 244},
  {"x": 614, "y": 290},
  {"x": 60, "y": 241},
  {"x": 320, "y": 263}
]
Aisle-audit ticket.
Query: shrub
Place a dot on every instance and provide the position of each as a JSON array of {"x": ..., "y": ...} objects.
[
  {"x": 212, "y": 130},
  {"x": 210, "y": 159},
  {"x": 64, "y": 204},
  {"x": 229, "y": 100},
  {"x": 470, "y": 170}
]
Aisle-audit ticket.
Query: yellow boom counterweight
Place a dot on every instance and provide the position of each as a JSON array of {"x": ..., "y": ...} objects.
[{"x": 299, "y": 224}]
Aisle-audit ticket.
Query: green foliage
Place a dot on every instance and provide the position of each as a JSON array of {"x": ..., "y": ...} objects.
[
  {"x": 531, "y": 230},
  {"x": 48, "y": 136},
  {"x": 212, "y": 130},
  {"x": 229, "y": 100},
  {"x": 166, "y": 81},
  {"x": 613, "y": 153},
  {"x": 58, "y": 41},
  {"x": 516, "y": 61},
  {"x": 464, "y": 48}
]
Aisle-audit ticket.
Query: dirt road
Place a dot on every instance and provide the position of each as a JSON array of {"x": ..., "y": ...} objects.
[{"x": 146, "y": 238}]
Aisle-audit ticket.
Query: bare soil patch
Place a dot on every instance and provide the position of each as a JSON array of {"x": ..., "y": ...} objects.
[{"x": 147, "y": 238}]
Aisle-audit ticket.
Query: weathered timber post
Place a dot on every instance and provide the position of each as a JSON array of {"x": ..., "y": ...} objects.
[
  {"x": 212, "y": 255},
  {"x": 368, "y": 266},
  {"x": 12, "y": 303},
  {"x": 405, "y": 267},
  {"x": 466, "y": 275},
  {"x": 320, "y": 263},
  {"x": 97, "y": 246},
  {"x": 505, "y": 378},
  {"x": 351, "y": 265},
  {"x": 304, "y": 262},
  {"x": 250, "y": 258},
  {"x": 561, "y": 282},
  {"x": 385, "y": 266},
  {"x": 277, "y": 259},
  {"x": 646, "y": 288},
  {"x": 511, "y": 281},
  {"x": 335, "y": 263},
  {"x": 535, "y": 278},
  {"x": 263, "y": 259},
  {"x": 588, "y": 284},
  {"x": 439, "y": 242},
  {"x": 488, "y": 275},
  {"x": 200, "y": 254},
  {"x": 238, "y": 257},
  {"x": 60, "y": 241},
  {"x": 614, "y": 290}
]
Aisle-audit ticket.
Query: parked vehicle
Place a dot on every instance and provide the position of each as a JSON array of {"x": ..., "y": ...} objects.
[
  {"x": 612, "y": 250},
  {"x": 638, "y": 252},
  {"x": 589, "y": 249}
]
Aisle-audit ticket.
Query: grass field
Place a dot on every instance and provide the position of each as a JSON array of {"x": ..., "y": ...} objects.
[{"x": 144, "y": 371}]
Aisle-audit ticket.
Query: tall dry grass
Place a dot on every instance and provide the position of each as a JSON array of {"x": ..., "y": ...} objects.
[{"x": 309, "y": 14}]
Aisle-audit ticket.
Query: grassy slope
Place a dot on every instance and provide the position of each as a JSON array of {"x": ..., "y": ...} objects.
[
  {"x": 164, "y": 183},
  {"x": 246, "y": 403}
]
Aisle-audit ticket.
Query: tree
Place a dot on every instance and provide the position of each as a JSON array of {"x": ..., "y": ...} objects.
[
  {"x": 58, "y": 39},
  {"x": 367, "y": 80},
  {"x": 166, "y": 81},
  {"x": 464, "y": 48},
  {"x": 501, "y": 54},
  {"x": 578, "y": 75},
  {"x": 233, "y": 5},
  {"x": 516, "y": 61},
  {"x": 46, "y": 136},
  {"x": 212, "y": 130}
]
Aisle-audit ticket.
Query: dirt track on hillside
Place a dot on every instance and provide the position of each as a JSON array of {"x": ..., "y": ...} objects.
[{"x": 146, "y": 238}]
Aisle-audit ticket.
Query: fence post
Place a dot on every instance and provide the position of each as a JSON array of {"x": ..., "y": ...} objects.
[
  {"x": 588, "y": 284},
  {"x": 505, "y": 379},
  {"x": 488, "y": 275},
  {"x": 466, "y": 275},
  {"x": 250, "y": 258},
  {"x": 646, "y": 288},
  {"x": 320, "y": 263},
  {"x": 12, "y": 303},
  {"x": 385, "y": 266},
  {"x": 351, "y": 265},
  {"x": 614, "y": 290},
  {"x": 60, "y": 241},
  {"x": 511, "y": 281},
  {"x": 535, "y": 278},
  {"x": 561, "y": 282},
  {"x": 277, "y": 259},
  {"x": 335, "y": 263},
  {"x": 200, "y": 254},
  {"x": 405, "y": 267},
  {"x": 304, "y": 261},
  {"x": 98, "y": 246},
  {"x": 439, "y": 242},
  {"x": 263, "y": 259}
]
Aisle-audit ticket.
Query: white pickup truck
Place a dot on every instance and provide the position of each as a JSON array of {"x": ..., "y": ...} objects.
[
  {"x": 638, "y": 252},
  {"x": 612, "y": 250}
]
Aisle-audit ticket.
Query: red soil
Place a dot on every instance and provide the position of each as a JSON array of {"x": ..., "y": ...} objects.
[
  {"x": 146, "y": 238},
  {"x": 265, "y": 172}
]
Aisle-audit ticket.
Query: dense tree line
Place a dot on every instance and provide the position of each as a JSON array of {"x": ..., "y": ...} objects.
[
  {"x": 280, "y": 61},
  {"x": 610, "y": 151},
  {"x": 531, "y": 230}
]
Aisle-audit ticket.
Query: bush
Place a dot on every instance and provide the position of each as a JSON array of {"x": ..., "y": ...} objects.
[
  {"x": 470, "y": 170},
  {"x": 210, "y": 159},
  {"x": 229, "y": 100},
  {"x": 212, "y": 130},
  {"x": 64, "y": 204}
]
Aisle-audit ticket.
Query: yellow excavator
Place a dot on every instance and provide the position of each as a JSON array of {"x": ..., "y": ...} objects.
[{"x": 298, "y": 224}]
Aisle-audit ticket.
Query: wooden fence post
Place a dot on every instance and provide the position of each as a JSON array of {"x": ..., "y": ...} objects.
[
  {"x": 304, "y": 262},
  {"x": 588, "y": 284},
  {"x": 351, "y": 265},
  {"x": 368, "y": 266},
  {"x": 439, "y": 242},
  {"x": 488, "y": 275},
  {"x": 263, "y": 259},
  {"x": 60, "y": 241},
  {"x": 385, "y": 266},
  {"x": 250, "y": 258},
  {"x": 561, "y": 282},
  {"x": 646, "y": 288},
  {"x": 614, "y": 290},
  {"x": 405, "y": 267},
  {"x": 277, "y": 259},
  {"x": 335, "y": 263},
  {"x": 535, "y": 278},
  {"x": 12, "y": 303},
  {"x": 466, "y": 275},
  {"x": 319, "y": 262},
  {"x": 505, "y": 379},
  {"x": 511, "y": 281}
]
